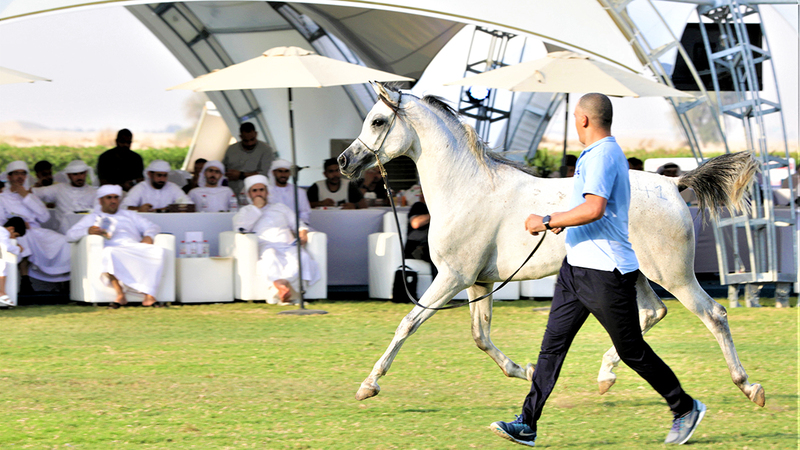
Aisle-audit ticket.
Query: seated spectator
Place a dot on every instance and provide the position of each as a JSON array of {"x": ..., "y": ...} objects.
[
  {"x": 44, "y": 173},
  {"x": 121, "y": 165},
  {"x": 210, "y": 195},
  {"x": 417, "y": 239},
  {"x": 635, "y": 164},
  {"x": 198, "y": 169},
  {"x": 274, "y": 224},
  {"x": 247, "y": 157},
  {"x": 568, "y": 171},
  {"x": 156, "y": 193},
  {"x": 129, "y": 257},
  {"x": 373, "y": 183},
  {"x": 70, "y": 197},
  {"x": 333, "y": 191},
  {"x": 283, "y": 192},
  {"x": 12, "y": 229},
  {"x": 45, "y": 250},
  {"x": 669, "y": 170}
]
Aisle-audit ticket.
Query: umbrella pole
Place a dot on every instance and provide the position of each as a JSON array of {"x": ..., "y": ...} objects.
[
  {"x": 302, "y": 310},
  {"x": 563, "y": 169}
]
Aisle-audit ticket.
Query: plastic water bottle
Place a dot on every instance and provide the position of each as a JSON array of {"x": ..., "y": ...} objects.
[
  {"x": 182, "y": 250},
  {"x": 233, "y": 204},
  {"x": 192, "y": 253},
  {"x": 203, "y": 203},
  {"x": 206, "y": 250}
]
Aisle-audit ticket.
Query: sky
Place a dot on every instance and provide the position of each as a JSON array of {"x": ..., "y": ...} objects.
[{"x": 110, "y": 72}]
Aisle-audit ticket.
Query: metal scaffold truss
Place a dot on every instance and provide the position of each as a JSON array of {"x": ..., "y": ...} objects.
[{"x": 735, "y": 59}]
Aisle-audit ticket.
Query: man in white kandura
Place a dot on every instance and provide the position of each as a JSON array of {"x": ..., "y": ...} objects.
[
  {"x": 274, "y": 224},
  {"x": 77, "y": 195},
  {"x": 283, "y": 192},
  {"x": 129, "y": 257},
  {"x": 46, "y": 251},
  {"x": 210, "y": 195},
  {"x": 155, "y": 192}
]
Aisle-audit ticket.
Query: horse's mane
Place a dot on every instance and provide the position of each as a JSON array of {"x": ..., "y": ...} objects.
[{"x": 477, "y": 146}]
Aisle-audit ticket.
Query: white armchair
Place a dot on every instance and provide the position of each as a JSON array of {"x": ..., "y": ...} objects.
[
  {"x": 86, "y": 285},
  {"x": 243, "y": 247},
  {"x": 385, "y": 257},
  {"x": 12, "y": 273}
]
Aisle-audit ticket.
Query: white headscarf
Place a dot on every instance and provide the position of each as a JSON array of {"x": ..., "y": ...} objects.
[
  {"x": 251, "y": 181},
  {"x": 108, "y": 189},
  {"x": 19, "y": 165},
  {"x": 78, "y": 166},
  {"x": 102, "y": 191},
  {"x": 201, "y": 179},
  {"x": 278, "y": 164},
  {"x": 157, "y": 165}
]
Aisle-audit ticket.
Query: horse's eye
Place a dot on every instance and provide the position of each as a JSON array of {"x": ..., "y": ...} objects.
[{"x": 379, "y": 122}]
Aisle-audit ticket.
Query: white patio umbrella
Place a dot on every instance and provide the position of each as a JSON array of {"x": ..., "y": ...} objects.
[
  {"x": 569, "y": 72},
  {"x": 9, "y": 76},
  {"x": 288, "y": 68}
]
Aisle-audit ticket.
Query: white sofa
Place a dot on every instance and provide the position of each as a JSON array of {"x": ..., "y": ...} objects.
[
  {"x": 243, "y": 248},
  {"x": 12, "y": 273},
  {"x": 86, "y": 285},
  {"x": 385, "y": 257}
]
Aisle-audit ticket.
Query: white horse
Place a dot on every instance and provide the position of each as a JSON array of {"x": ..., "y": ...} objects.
[{"x": 479, "y": 202}]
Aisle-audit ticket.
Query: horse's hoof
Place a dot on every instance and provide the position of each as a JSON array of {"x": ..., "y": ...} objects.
[
  {"x": 366, "y": 391},
  {"x": 529, "y": 371},
  {"x": 604, "y": 386},
  {"x": 757, "y": 395}
]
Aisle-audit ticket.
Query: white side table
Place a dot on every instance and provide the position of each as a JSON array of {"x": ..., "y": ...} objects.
[{"x": 204, "y": 280}]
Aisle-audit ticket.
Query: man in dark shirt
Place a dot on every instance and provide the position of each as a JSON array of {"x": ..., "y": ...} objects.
[
  {"x": 419, "y": 219},
  {"x": 334, "y": 191},
  {"x": 121, "y": 165}
]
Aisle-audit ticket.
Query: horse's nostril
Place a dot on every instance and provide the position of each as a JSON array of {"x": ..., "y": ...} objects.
[{"x": 342, "y": 161}]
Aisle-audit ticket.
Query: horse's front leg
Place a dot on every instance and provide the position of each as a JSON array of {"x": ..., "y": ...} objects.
[
  {"x": 481, "y": 314},
  {"x": 651, "y": 311},
  {"x": 441, "y": 291}
]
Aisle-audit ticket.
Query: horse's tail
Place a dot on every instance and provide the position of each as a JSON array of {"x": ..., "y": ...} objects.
[{"x": 721, "y": 181}]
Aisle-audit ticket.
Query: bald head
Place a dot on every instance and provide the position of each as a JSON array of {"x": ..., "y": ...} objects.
[{"x": 597, "y": 107}]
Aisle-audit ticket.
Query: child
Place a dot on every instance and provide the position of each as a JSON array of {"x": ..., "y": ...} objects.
[{"x": 12, "y": 229}]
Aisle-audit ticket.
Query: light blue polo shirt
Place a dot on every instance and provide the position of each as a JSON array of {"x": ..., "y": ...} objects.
[{"x": 602, "y": 170}]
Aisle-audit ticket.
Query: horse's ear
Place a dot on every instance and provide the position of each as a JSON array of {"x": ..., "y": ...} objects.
[{"x": 379, "y": 89}]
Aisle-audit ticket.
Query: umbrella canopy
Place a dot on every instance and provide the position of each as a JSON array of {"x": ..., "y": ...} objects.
[
  {"x": 8, "y": 76},
  {"x": 570, "y": 72},
  {"x": 287, "y": 67}
]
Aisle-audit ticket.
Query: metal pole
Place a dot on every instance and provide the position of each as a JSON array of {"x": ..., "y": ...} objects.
[{"x": 302, "y": 310}]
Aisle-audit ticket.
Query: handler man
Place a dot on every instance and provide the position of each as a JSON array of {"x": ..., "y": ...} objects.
[{"x": 598, "y": 276}]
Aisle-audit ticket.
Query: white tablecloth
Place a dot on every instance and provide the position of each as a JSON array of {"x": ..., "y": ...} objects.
[
  {"x": 348, "y": 235},
  {"x": 177, "y": 224},
  {"x": 348, "y": 242},
  {"x": 705, "y": 259}
]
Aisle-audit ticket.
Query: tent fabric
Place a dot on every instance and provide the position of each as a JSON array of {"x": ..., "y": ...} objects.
[{"x": 580, "y": 25}]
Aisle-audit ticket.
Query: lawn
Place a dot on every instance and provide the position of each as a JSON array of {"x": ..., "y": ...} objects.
[{"x": 227, "y": 376}]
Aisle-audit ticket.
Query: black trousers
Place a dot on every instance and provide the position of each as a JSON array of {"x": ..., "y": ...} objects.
[{"x": 611, "y": 298}]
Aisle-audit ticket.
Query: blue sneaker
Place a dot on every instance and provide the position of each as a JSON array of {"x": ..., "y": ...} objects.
[
  {"x": 683, "y": 427},
  {"x": 515, "y": 431}
]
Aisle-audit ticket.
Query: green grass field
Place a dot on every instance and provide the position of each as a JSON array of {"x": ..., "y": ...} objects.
[{"x": 237, "y": 375}]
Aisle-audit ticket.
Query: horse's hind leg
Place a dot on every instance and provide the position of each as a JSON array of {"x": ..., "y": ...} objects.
[
  {"x": 481, "y": 314},
  {"x": 442, "y": 289},
  {"x": 715, "y": 317},
  {"x": 651, "y": 311}
]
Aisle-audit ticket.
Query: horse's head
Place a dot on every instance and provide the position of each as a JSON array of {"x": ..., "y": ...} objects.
[{"x": 383, "y": 135}]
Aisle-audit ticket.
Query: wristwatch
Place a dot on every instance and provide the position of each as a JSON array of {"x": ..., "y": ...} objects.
[{"x": 546, "y": 222}]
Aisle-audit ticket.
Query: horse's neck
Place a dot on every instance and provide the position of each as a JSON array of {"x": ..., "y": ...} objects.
[{"x": 444, "y": 163}]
